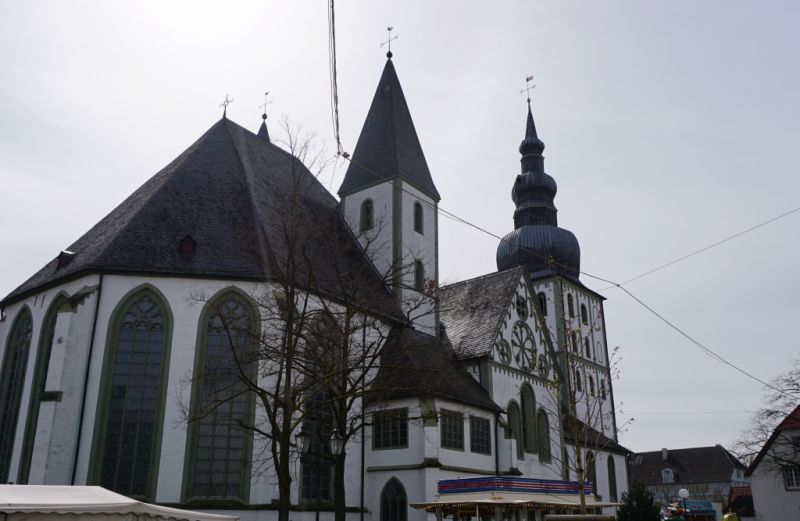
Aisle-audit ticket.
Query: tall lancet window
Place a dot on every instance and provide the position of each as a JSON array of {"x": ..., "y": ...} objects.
[
  {"x": 418, "y": 222},
  {"x": 220, "y": 446},
  {"x": 46, "y": 338},
  {"x": 543, "y": 436},
  {"x": 367, "y": 220},
  {"x": 419, "y": 275},
  {"x": 12, "y": 378},
  {"x": 127, "y": 451}
]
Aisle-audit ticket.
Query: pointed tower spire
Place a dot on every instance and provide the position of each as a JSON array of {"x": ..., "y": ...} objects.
[
  {"x": 262, "y": 130},
  {"x": 537, "y": 241},
  {"x": 388, "y": 146}
]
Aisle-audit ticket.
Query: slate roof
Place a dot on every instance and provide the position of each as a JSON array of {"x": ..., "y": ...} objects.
[
  {"x": 414, "y": 364},
  {"x": 388, "y": 146},
  {"x": 248, "y": 206},
  {"x": 791, "y": 422},
  {"x": 472, "y": 311},
  {"x": 693, "y": 465},
  {"x": 590, "y": 437}
]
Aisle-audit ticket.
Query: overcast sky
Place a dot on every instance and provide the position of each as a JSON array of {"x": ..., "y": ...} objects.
[{"x": 668, "y": 126}]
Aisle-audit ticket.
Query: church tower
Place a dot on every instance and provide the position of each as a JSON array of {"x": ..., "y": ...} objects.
[{"x": 390, "y": 201}]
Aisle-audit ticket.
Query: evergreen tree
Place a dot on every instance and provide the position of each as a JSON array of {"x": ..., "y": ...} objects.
[{"x": 638, "y": 505}]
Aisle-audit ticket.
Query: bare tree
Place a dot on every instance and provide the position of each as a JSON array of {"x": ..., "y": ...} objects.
[
  {"x": 781, "y": 399},
  {"x": 321, "y": 320}
]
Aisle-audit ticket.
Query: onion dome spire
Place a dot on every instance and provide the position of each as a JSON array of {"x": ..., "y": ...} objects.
[
  {"x": 263, "y": 133},
  {"x": 537, "y": 241}
]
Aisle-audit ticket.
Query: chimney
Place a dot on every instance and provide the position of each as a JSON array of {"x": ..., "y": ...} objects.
[{"x": 664, "y": 454}]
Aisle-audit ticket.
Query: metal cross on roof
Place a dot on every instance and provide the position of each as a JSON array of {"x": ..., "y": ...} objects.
[
  {"x": 389, "y": 41},
  {"x": 224, "y": 105},
  {"x": 264, "y": 106},
  {"x": 528, "y": 87}
]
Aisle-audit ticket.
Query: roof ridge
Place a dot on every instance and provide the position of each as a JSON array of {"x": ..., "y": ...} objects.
[{"x": 484, "y": 276}]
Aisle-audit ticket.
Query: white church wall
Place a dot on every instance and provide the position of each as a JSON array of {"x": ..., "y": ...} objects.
[{"x": 379, "y": 238}]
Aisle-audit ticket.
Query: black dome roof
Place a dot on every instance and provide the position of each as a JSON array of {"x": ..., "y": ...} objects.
[{"x": 537, "y": 242}]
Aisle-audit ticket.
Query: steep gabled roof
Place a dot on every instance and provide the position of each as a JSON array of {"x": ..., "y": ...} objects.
[
  {"x": 414, "y": 364},
  {"x": 791, "y": 422},
  {"x": 388, "y": 146},
  {"x": 472, "y": 311},
  {"x": 589, "y": 437},
  {"x": 245, "y": 208},
  {"x": 693, "y": 465}
]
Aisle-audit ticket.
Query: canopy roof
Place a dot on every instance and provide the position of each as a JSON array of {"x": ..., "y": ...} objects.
[
  {"x": 47, "y": 500},
  {"x": 469, "y": 501}
]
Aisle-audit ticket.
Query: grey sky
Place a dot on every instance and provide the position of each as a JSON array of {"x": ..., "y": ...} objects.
[{"x": 668, "y": 125}]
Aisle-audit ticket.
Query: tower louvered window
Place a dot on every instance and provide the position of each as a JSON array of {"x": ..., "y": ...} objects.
[
  {"x": 367, "y": 218},
  {"x": 12, "y": 379},
  {"x": 220, "y": 466},
  {"x": 418, "y": 222},
  {"x": 128, "y": 448}
]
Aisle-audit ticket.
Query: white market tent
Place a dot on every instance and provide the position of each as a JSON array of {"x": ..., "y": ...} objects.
[{"x": 54, "y": 502}]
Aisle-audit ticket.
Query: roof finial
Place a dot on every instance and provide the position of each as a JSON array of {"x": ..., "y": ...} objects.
[
  {"x": 264, "y": 106},
  {"x": 389, "y": 41},
  {"x": 224, "y": 106},
  {"x": 528, "y": 87}
]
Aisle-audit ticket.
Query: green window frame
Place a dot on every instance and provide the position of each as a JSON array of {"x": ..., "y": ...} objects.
[
  {"x": 221, "y": 449},
  {"x": 12, "y": 381},
  {"x": 612, "y": 478},
  {"x": 129, "y": 422},
  {"x": 480, "y": 435},
  {"x": 394, "y": 501},
  {"x": 528, "y": 400},
  {"x": 514, "y": 428},
  {"x": 543, "y": 426},
  {"x": 390, "y": 429},
  {"x": 46, "y": 338},
  {"x": 451, "y": 428}
]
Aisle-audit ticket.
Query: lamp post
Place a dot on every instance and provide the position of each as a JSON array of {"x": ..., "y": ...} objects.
[
  {"x": 335, "y": 446},
  {"x": 683, "y": 493}
]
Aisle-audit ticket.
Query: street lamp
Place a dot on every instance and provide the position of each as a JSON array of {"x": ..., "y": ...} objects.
[
  {"x": 683, "y": 493},
  {"x": 337, "y": 443}
]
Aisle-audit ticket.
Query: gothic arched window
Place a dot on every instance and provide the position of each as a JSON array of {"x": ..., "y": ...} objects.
[
  {"x": 221, "y": 448},
  {"x": 419, "y": 275},
  {"x": 570, "y": 305},
  {"x": 587, "y": 348},
  {"x": 584, "y": 314},
  {"x": 367, "y": 218},
  {"x": 394, "y": 502},
  {"x": 128, "y": 442},
  {"x": 528, "y": 419},
  {"x": 12, "y": 379},
  {"x": 591, "y": 385},
  {"x": 514, "y": 429},
  {"x": 591, "y": 470},
  {"x": 612, "y": 478},
  {"x": 603, "y": 389},
  {"x": 541, "y": 299},
  {"x": 418, "y": 222},
  {"x": 543, "y": 434},
  {"x": 46, "y": 338},
  {"x": 578, "y": 382}
]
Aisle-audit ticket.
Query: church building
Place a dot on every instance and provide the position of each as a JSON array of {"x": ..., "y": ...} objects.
[{"x": 106, "y": 351}]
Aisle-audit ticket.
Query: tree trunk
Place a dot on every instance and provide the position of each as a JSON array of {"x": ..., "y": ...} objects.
[{"x": 339, "y": 500}]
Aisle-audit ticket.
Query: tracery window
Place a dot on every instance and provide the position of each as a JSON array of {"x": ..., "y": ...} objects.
[
  {"x": 132, "y": 401},
  {"x": 394, "y": 503},
  {"x": 317, "y": 467},
  {"x": 418, "y": 222},
  {"x": 367, "y": 219},
  {"x": 12, "y": 379},
  {"x": 528, "y": 419},
  {"x": 543, "y": 435},
  {"x": 220, "y": 466}
]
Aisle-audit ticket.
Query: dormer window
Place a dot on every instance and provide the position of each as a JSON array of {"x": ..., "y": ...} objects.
[
  {"x": 367, "y": 219},
  {"x": 418, "y": 222},
  {"x": 667, "y": 476},
  {"x": 64, "y": 258}
]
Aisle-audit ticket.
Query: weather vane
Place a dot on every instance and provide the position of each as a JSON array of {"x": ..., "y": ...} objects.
[
  {"x": 528, "y": 87},
  {"x": 389, "y": 41},
  {"x": 224, "y": 105},
  {"x": 264, "y": 106}
]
